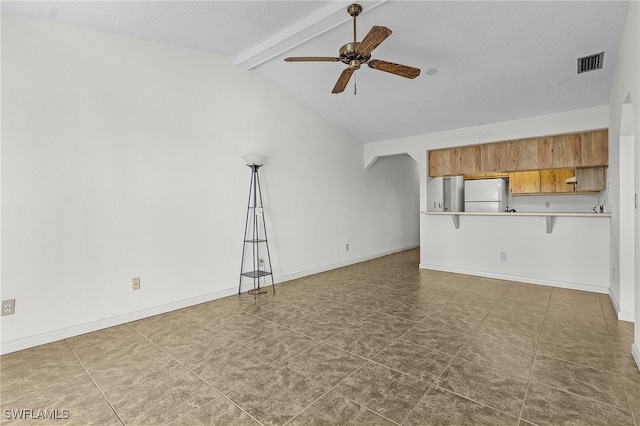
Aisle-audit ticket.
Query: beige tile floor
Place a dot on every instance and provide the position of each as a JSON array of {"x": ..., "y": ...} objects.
[{"x": 377, "y": 343}]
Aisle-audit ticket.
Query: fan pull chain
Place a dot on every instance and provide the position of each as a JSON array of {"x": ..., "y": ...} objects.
[{"x": 355, "y": 83}]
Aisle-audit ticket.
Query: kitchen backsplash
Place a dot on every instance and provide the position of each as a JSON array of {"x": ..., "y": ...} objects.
[{"x": 557, "y": 203}]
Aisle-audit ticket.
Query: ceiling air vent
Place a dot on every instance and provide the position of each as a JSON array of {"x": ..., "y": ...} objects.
[{"x": 590, "y": 63}]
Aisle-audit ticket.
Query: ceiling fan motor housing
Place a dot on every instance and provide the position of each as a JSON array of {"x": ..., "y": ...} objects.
[{"x": 350, "y": 56}]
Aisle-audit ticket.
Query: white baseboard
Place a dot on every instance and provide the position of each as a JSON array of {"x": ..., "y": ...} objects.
[
  {"x": 55, "y": 335},
  {"x": 332, "y": 266},
  {"x": 622, "y": 315},
  {"x": 635, "y": 351},
  {"x": 529, "y": 280},
  {"x": 290, "y": 277},
  {"x": 614, "y": 302},
  {"x": 65, "y": 333}
]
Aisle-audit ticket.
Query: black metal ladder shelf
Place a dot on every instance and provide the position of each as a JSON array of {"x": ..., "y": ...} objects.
[{"x": 255, "y": 238}]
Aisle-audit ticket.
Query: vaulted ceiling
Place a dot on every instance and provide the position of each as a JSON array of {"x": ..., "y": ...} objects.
[{"x": 481, "y": 61}]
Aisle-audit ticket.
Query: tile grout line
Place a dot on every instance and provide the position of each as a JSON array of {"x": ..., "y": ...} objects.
[
  {"x": 332, "y": 388},
  {"x": 618, "y": 374},
  {"x": 484, "y": 404},
  {"x": 582, "y": 365},
  {"x": 455, "y": 356},
  {"x": 435, "y": 381},
  {"x": 96, "y": 384},
  {"x": 367, "y": 360},
  {"x": 277, "y": 365},
  {"x": 535, "y": 357},
  {"x": 307, "y": 407},
  {"x": 636, "y": 420},
  {"x": 615, "y": 359},
  {"x": 579, "y": 396},
  {"x": 199, "y": 378}
]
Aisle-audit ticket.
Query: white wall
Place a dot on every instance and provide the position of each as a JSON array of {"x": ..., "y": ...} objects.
[
  {"x": 626, "y": 89},
  {"x": 569, "y": 257},
  {"x": 622, "y": 280},
  {"x": 121, "y": 159}
]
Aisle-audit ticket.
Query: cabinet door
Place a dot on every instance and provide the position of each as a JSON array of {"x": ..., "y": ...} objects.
[
  {"x": 472, "y": 159},
  {"x": 439, "y": 160},
  {"x": 571, "y": 155},
  {"x": 590, "y": 179},
  {"x": 456, "y": 161},
  {"x": 524, "y": 182},
  {"x": 545, "y": 153},
  {"x": 493, "y": 157},
  {"x": 555, "y": 181},
  {"x": 527, "y": 155},
  {"x": 595, "y": 149}
]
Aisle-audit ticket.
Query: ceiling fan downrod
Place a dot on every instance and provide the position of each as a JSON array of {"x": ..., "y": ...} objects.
[{"x": 354, "y": 10}]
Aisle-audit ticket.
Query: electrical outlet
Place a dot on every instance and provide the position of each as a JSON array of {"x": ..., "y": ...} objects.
[
  {"x": 135, "y": 283},
  {"x": 347, "y": 247},
  {"x": 8, "y": 307},
  {"x": 503, "y": 257},
  {"x": 261, "y": 261}
]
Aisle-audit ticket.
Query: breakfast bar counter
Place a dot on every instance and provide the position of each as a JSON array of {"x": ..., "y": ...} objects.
[{"x": 548, "y": 216}]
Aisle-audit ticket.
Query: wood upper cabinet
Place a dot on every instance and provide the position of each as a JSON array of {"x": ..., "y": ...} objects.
[
  {"x": 493, "y": 157},
  {"x": 524, "y": 155},
  {"x": 550, "y": 181},
  {"x": 472, "y": 159},
  {"x": 439, "y": 162},
  {"x": 571, "y": 155},
  {"x": 590, "y": 179},
  {"x": 554, "y": 181},
  {"x": 588, "y": 149},
  {"x": 594, "y": 149},
  {"x": 456, "y": 161},
  {"x": 524, "y": 182}
]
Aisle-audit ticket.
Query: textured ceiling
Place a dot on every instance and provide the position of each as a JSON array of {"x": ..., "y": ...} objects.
[{"x": 495, "y": 61}]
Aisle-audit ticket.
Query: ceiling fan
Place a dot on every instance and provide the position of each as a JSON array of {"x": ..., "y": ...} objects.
[{"x": 355, "y": 54}]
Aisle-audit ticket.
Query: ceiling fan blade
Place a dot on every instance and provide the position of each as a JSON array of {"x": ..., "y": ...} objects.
[
  {"x": 311, "y": 59},
  {"x": 397, "y": 69},
  {"x": 341, "y": 84},
  {"x": 374, "y": 37}
]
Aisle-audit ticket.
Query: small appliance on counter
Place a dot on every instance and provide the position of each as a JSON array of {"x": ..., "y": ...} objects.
[{"x": 485, "y": 195}]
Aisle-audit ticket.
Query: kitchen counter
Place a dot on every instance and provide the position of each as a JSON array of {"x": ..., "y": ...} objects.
[
  {"x": 549, "y": 216},
  {"x": 523, "y": 213},
  {"x": 573, "y": 253}
]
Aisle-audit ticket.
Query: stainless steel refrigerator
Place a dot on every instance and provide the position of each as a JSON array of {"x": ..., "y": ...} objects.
[
  {"x": 445, "y": 194},
  {"x": 485, "y": 195}
]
